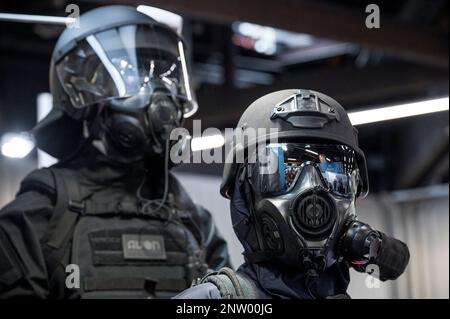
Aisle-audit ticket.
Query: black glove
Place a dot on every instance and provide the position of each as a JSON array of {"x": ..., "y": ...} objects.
[{"x": 362, "y": 246}]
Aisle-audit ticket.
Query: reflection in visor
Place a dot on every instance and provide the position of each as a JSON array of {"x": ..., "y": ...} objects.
[
  {"x": 279, "y": 166},
  {"x": 113, "y": 72},
  {"x": 123, "y": 62}
]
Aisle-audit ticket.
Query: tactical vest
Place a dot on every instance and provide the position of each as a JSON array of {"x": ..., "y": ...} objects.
[{"x": 118, "y": 252}]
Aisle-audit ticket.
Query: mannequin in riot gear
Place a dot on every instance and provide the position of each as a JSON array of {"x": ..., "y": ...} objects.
[
  {"x": 110, "y": 207},
  {"x": 293, "y": 205}
]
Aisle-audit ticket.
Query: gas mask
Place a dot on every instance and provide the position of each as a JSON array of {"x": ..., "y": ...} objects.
[
  {"x": 139, "y": 126},
  {"x": 293, "y": 200},
  {"x": 302, "y": 197}
]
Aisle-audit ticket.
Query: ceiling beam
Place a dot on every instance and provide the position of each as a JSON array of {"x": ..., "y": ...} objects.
[{"x": 322, "y": 20}]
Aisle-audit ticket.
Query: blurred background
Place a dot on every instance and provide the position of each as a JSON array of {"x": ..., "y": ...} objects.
[{"x": 241, "y": 50}]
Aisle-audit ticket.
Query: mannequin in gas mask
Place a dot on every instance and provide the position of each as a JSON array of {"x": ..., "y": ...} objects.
[
  {"x": 110, "y": 209},
  {"x": 293, "y": 205}
]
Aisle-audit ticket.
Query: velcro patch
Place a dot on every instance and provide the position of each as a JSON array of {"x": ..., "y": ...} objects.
[{"x": 143, "y": 247}]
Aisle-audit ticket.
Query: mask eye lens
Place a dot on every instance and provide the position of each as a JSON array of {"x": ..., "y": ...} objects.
[
  {"x": 338, "y": 170},
  {"x": 279, "y": 167}
]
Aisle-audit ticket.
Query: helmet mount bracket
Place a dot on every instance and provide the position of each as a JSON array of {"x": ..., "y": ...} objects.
[{"x": 304, "y": 109}]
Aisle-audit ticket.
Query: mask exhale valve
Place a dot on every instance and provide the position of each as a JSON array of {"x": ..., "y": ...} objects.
[{"x": 313, "y": 214}]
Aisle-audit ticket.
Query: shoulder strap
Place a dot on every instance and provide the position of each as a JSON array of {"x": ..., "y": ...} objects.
[
  {"x": 231, "y": 284},
  {"x": 61, "y": 186},
  {"x": 68, "y": 207}
]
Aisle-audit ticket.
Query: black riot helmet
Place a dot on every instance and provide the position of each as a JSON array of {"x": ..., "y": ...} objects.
[
  {"x": 120, "y": 81},
  {"x": 300, "y": 175}
]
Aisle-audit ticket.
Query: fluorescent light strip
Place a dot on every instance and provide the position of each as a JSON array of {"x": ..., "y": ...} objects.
[
  {"x": 398, "y": 111},
  {"x": 31, "y": 18},
  {"x": 312, "y": 152},
  {"x": 357, "y": 118},
  {"x": 207, "y": 142}
]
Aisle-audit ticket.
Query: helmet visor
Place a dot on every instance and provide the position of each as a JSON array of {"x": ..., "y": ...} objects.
[
  {"x": 276, "y": 168},
  {"x": 127, "y": 61}
]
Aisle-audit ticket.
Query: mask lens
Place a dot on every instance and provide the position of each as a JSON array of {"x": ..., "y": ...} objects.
[{"x": 276, "y": 168}]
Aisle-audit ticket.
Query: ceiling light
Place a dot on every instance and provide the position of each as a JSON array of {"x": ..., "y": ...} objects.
[
  {"x": 16, "y": 145},
  {"x": 207, "y": 142},
  {"x": 398, "y": 111}
]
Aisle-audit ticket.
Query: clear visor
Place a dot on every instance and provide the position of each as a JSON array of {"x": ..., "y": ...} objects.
[
  {"x": 275, "y": 169},
  {"x": 127, "y": 61}
]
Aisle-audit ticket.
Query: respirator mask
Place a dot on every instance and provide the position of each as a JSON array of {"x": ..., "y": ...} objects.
[
  {"x": 302, "y": 197},
  {"x": 139, "y": 126}
]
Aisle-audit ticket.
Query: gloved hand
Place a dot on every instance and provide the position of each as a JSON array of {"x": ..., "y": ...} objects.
[{"x": 361, "y": 246}]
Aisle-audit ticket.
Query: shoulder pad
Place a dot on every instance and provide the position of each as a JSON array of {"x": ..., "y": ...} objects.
[{"x": 40, "y": 180}]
